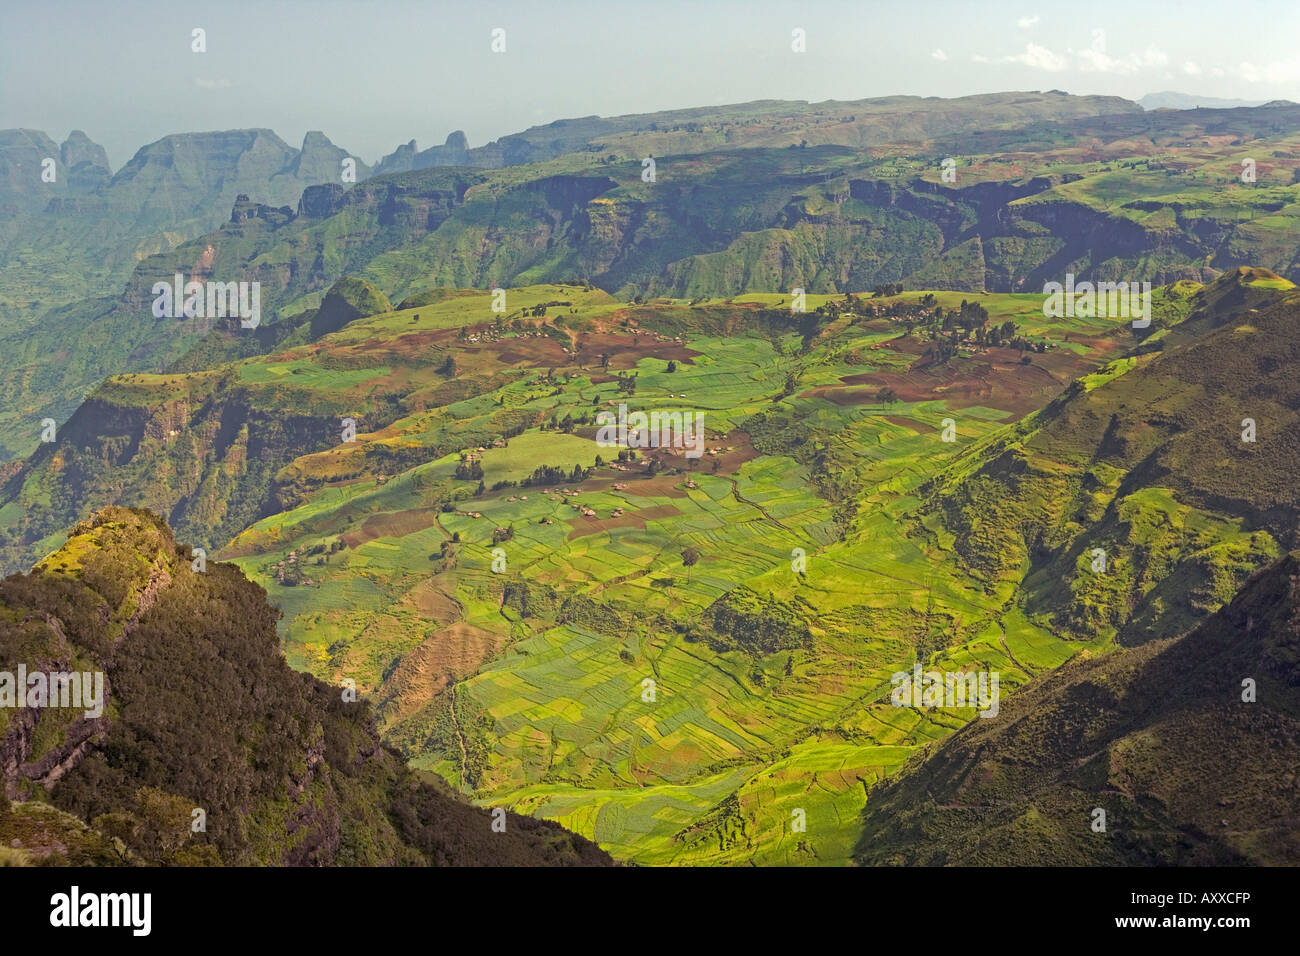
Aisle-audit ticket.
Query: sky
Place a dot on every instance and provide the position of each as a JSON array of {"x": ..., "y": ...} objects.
[{"x": 372, "y": 74}]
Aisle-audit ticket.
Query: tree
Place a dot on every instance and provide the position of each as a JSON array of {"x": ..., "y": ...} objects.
[
  {"x": 886, "y": 396},
  {"x": 672, "y": 366},
  {"x": 690, "y": 558}
]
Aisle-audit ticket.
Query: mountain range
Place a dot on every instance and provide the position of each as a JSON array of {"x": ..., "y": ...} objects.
[{"x": 762, "y": 206}]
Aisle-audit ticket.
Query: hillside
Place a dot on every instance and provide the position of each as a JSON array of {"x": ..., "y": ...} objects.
[
  {"x": 1160, "y": 737},
  {"x": 200, "y": 711},
  {"x": 1147, "y": 463}
]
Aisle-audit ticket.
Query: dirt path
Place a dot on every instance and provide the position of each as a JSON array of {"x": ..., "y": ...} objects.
[
  {"x": 464, "y": 753},
  {"x": 621, "y": 579},
  {"x": 735, "y": 493},
  {"x": 1002, "y": 639}
]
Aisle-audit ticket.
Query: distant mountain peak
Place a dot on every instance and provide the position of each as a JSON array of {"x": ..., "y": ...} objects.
[
  {"x": 1171, "y": 100},
  {"x": 315, "y": 139},
  {"x": 79, "y": 150}
]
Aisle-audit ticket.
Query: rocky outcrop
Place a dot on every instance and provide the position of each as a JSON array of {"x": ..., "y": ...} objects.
[
  {"x": 206, "y": 714},
  {"x": 321, "y": 202}
]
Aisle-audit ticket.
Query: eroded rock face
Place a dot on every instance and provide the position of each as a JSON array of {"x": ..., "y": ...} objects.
[{"x": 321, "y": 202}]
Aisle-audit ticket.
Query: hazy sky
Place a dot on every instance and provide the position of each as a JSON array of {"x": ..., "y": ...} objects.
[{"x": 375, "y": 73}]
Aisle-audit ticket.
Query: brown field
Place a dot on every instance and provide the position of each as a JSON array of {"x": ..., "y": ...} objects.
[
  {"x": 392, "y": 524},
  {"x": 583, "y": 526},
  {"x": 992, "y": 377},
  {"x": 445, "y": 656}
]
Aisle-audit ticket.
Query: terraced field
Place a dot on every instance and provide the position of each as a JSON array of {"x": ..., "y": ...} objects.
[{"x": 578, "y": 679}]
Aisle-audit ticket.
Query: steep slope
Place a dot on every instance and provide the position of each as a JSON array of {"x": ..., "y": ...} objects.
[
  {"x": 87, "y": 229},
  {"x": 1138, "y": 501},
  {"x": 78, "y": 166},
  {"x": 1163, "y": 738},
  {"x": 200, "y": 711},
  {"x": 67, "y": 249}
]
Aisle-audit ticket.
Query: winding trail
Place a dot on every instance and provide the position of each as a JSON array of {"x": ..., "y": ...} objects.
[
  {"x": 735, "y": 493},
  {"x": 464, "y": 753},
  {"x": 1002, "y": 639}
]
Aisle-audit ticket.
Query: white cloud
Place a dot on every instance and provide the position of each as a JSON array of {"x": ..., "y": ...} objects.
[
  {"x": 938, "y": 54},
  {"x": 1154, "y": 57},
  {"x": 1095, "y": 59},
  {"x": 1192, "y": 68},
  {"x": 1026, "y": 22},
  {"x": 1276, "y": 73},
  {"x": 1037, "y": 58},
  {"x": 203, "y": 84}
]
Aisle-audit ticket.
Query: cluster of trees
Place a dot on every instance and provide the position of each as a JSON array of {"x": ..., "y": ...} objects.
[
  {"x": 743, "y": 620},
  {"x": 556, "y": 475},
  {"x": 569, "y": 421},
  {"x": 469, "y": 469},
  {"x": 971, "y": 315}
]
